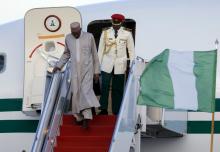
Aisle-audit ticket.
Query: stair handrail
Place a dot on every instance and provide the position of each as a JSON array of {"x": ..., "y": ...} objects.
[
  {"x": 64, "y": 95},
  {"x": 48, "y": 110},
  {"x": 127, "y": 118},
  {"x": 44, "y": 118}
]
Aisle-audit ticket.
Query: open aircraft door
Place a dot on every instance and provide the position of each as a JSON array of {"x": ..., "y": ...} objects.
[{"x": 45, "y": 30}]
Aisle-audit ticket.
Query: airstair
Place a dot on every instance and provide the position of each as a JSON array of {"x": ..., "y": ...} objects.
[
  {"x": 97, "y": 138},
  {"x": 57, "y": 131}
]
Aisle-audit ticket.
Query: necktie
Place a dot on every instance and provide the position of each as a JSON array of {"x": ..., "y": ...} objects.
[{"x": 116, "y": 33}]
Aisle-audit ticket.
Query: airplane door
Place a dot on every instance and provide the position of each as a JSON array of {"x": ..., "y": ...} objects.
[
  {"x": 45, "y": 30},
  {"x": 95, "y": 27}
]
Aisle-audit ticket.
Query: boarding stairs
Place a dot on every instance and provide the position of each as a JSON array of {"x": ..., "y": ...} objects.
[
  {"x": 97, "y": 138},
  {"x": 57, "y": 131}
]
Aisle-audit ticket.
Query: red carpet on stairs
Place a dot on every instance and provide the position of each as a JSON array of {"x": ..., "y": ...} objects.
[{"x": 97, "y": 138}]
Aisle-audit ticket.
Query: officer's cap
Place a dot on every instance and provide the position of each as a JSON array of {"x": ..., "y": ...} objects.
[{"x": 117, "y": 19}]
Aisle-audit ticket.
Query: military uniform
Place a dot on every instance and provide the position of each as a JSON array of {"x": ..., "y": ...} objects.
[{"x": 113, "y": 58}]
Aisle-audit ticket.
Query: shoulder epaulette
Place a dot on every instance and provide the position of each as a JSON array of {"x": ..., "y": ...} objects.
[
  {"x": 127, "y": 29},
  {"x": 106, "y": 28}
]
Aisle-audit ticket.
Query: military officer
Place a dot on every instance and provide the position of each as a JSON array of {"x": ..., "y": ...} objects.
[{"x": 113, "y": 45}]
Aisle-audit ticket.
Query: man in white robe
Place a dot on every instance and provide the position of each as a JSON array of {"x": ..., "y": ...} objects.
[{"x": 80, "y": 47}]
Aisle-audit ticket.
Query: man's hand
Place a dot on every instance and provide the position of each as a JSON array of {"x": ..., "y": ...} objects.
[
  {"x": 96, "y": 78},
  {"x": 55, "y": 69}
]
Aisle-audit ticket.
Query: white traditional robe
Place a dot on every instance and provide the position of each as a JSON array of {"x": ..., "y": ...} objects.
[{"x": 82, "y": 71}]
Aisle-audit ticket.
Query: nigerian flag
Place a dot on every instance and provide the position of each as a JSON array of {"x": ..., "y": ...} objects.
[{"x": 180, "y": 80}]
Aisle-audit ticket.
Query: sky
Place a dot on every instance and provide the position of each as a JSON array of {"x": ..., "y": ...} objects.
[{"x": 15, "y": 9}]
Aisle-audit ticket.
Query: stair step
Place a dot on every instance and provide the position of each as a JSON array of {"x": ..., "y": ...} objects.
[
  {"x": 97, "y": 138},
  {"x": 81, "y": 149},
  {"x": 98, "y": 120},
  {"x": 77, "y": 141},
  {"x": 70, "y": 130}
]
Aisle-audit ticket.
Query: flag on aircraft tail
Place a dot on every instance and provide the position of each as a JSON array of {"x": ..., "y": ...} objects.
[{"x": 180, "y": 80}]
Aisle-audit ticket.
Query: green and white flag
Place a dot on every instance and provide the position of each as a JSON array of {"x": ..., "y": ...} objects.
[{"x": 180, "y": 80}]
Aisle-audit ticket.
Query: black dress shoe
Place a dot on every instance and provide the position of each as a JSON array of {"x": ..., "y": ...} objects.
[
  {"x": 85, "y": 124},
  {"x": 93, "y": 111},
  {"x": 78, "y": 123},
  {"x": 103, "y": 112}
]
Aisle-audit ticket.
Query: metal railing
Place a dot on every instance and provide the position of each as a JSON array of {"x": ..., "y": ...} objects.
[
  {"x": 127, "y": 118},
  {"x": 62, "y": 99},
  {"x": 130, "y": 119},
  {"x": 52, "y": 112}
]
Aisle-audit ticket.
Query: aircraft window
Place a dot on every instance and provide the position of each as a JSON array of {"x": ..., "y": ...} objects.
[
  {"x": 2, "y": 63},
  {"x": 50, "y": 46}
]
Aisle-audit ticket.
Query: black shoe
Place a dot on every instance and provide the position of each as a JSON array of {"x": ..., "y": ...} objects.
[
  {"x": 93, "y": 111},
  {"x": 38, "y": 111},
  {"x": 78, "y": 123},
  {"x": 85, "y": 124},
  {"x": 103, "y": 112}
]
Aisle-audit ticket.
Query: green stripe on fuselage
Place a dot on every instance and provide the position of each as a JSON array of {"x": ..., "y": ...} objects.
[
  {"x": 16, "y": 104},
  {"x": 26, "y": 126},
  {"x": 18, "y": 126},
  {"x": 11, "y": 104},
  {"x": 202, "y": 127}
]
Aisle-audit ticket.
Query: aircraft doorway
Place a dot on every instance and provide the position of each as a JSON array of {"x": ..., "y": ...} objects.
[{"x": 96, "y": 27}]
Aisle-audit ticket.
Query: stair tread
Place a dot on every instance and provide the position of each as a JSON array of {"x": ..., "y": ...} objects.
[
  {"x": 84, "y": 138},
  {"x": 97, "y": 120},
  {"x": 88, "y": 141},
  {"x": 97, "y": 138},
  {"x": 75, "y": 145},
  {"x": 96, "y": 116},
  {"x": 81, "y": 149},
  {"x": 94, "y": 131},
  {"x": 90, "y": 127}
]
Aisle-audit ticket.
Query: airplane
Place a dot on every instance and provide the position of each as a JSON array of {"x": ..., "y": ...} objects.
[{"x": 156, "y": 25}]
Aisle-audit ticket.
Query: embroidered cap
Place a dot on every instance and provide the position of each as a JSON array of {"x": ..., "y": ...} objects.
[{"x": 75, "y": 26}]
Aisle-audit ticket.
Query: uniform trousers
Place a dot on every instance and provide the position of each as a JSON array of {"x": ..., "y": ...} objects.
[{"x": 117, "y": 90}]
